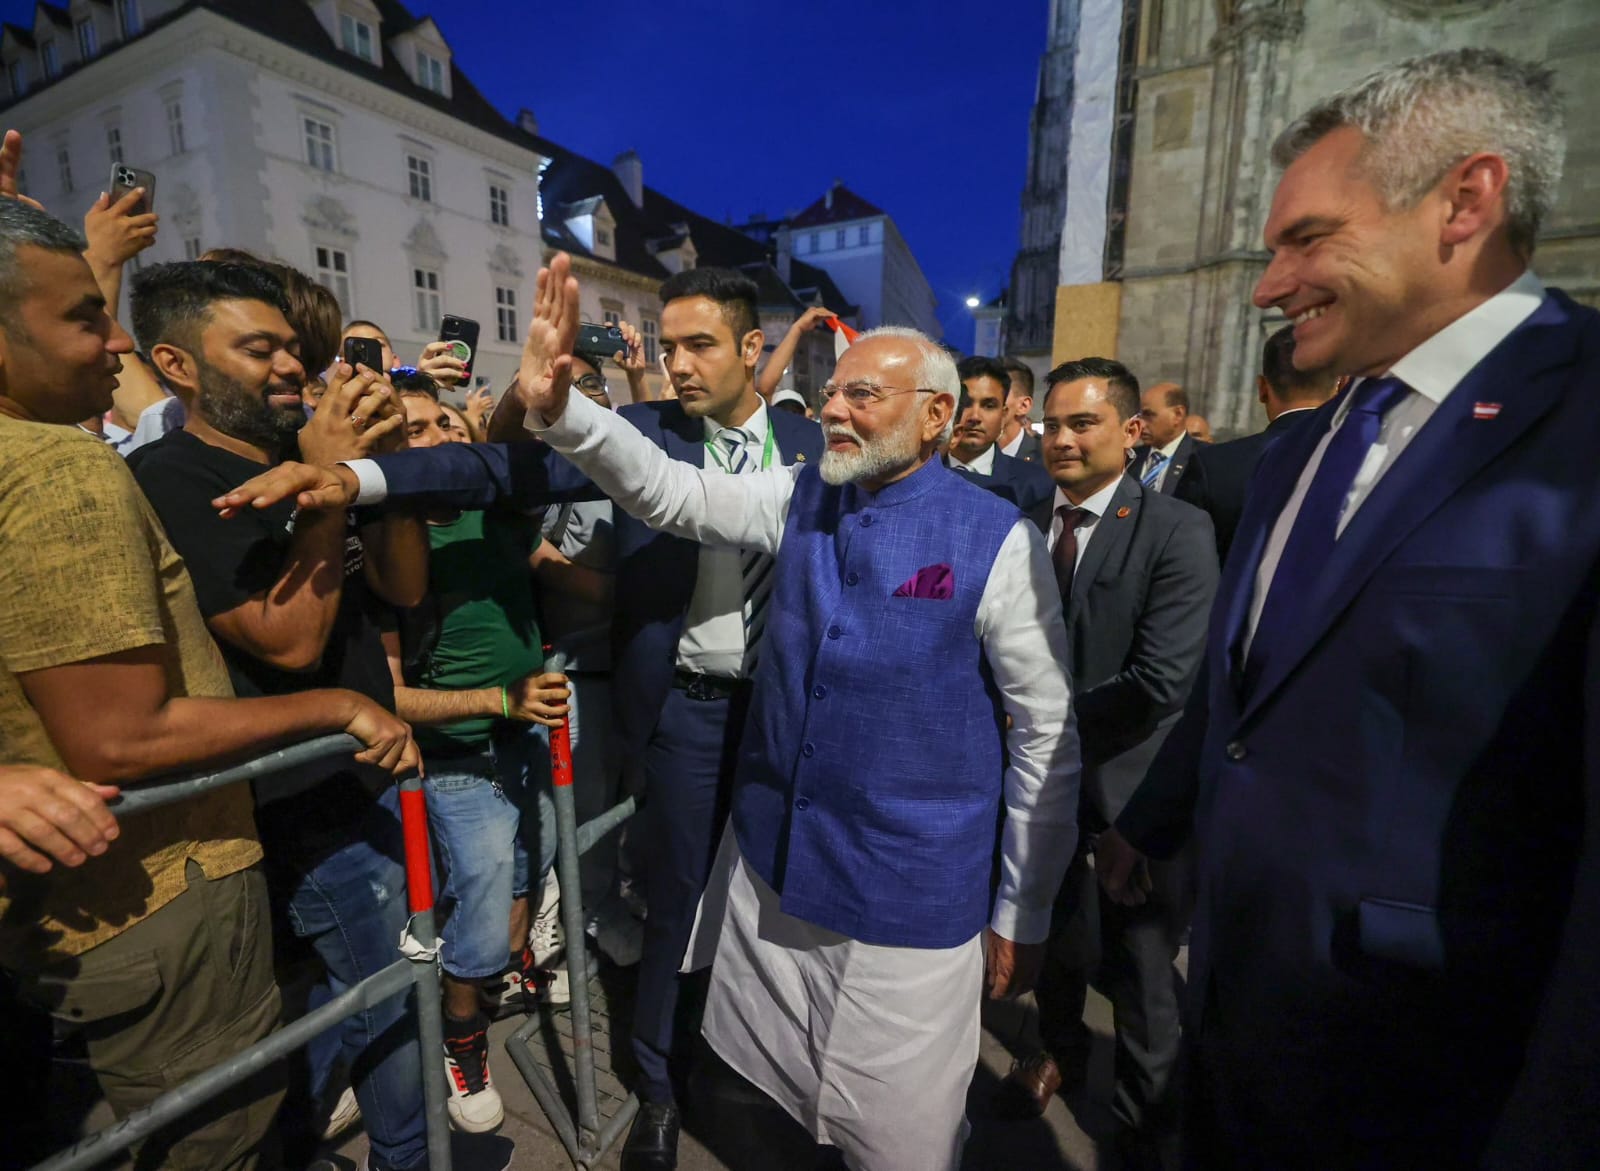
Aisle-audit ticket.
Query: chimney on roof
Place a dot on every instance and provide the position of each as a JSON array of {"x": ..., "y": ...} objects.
[
  {"x": 629, "y": 170},
  {"x": 526, "y": 121}
]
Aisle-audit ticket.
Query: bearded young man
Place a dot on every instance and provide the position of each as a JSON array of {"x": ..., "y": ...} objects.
[{"x": 292, "y": 599}]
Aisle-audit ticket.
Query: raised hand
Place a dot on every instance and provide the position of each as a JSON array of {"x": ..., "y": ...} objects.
[
  {"x": 356, "y": 417},
  {"x": 441, "y": 365},
  {"x": 117, "y": 232},
  {"x": 10, "y": 167},
  {"x": 479, "y": 403},
  {"x": 545, "y": 375}
]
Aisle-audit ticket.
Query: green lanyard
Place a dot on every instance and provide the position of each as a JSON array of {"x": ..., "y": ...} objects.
[{"x": 721, "y": 457}]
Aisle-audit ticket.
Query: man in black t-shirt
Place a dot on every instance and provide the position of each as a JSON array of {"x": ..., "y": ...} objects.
[{"x": 293, "y": 602}]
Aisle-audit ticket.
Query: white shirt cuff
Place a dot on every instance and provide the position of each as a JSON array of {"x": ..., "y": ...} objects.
[{"x": 374, "y": 489}]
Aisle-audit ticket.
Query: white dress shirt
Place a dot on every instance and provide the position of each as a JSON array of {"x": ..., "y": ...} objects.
[
  {"x": 983, "y": 465},
  {"x": 1016, "y": 442},
  {"x": 1018, "y": 623},
  {"x": 1090, "y": 512},
  {"x": 712, "y": 642},
  {"x": 1431, "y": 372}
]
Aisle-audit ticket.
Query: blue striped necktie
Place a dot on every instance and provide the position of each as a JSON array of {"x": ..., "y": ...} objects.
[
  {"x": 1152, "y": 470},
  {"x": 755, "y": 568},
  {"x": 1316, "y": 525}
]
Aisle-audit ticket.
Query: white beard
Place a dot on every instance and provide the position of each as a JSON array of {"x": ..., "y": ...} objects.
[{"x": 874, "y": 459}]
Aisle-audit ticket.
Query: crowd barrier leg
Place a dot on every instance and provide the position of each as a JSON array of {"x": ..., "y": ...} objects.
[
  {"x": 424, "y": 957},
  {"x": 418, "y": 969},
  {"x": 583, "y": 1134}
]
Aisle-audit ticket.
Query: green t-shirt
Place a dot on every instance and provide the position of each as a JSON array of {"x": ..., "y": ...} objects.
[{"x": 482, "y": 591}]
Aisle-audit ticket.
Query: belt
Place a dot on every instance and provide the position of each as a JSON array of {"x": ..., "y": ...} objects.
[{"x": 703, "y": 687}]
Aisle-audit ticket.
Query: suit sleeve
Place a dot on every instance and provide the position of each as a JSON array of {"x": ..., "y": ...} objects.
[
  {"x": 1158, "y": 819},
  {"x": 1552, "y": 1117},
  {"x": 1164, "y": 655},
  {"x": 473, "y": 475}
]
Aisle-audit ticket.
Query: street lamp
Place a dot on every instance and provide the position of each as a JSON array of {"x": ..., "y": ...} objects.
[{"x": 973, "y": 302}]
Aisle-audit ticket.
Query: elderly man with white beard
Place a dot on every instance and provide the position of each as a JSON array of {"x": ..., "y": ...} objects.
[
  {"x": 852, "y": 916},
  {"x": 850, "y": 944}
]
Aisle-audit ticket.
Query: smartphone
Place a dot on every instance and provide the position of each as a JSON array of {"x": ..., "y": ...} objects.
[
  {"x": 124, "y": 179},
  {"x": 364, "y": 351},
  {"x": 462, "y": 334},
  {"x": 602, "y": 341}
]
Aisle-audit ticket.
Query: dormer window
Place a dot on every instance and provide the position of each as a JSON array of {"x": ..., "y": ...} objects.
[
  {"x": 51, "y": 58},
  {"x": 88, "y": 39},
  {"x": 129, "y": 21},
  {"x": 356, "y": 36},
  {"x": 17, "y": 72},
  {"x": 430, "y": 72}
]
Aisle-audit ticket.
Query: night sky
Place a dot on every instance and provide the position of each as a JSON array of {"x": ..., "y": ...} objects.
[{"x": 755, "y": 106}]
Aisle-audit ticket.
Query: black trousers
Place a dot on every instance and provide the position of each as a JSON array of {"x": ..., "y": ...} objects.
[
  {"x": 688, "y": 767},
  {"x": 1127, "y": 953}
]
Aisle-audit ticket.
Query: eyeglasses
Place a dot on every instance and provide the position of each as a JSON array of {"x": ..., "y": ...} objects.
[
  {"x": 859, "y": 396},
  {"x": 591, "y": 384}
]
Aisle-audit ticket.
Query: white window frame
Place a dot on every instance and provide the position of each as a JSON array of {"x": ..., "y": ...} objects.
[
  {"x": 17, "y": 74},
  {"x": 611, "y": 312},
  {"x": 505, "y": 313},
  {"x": 864, "y": 234},
  {"x": 332, "y": 268},
  {"x": 64, "y": 168},
  {"x": 114, "y": 145},
  {"x": 321, "y": 143},
  {"x": 191, "y": 248},
  {"x": 357, "y": 37},
  {"x": 499, "y": 205},
  {"x": 838, "y": 237},
  {"x": 430, "y": 71},
  {"x": 426, "y": 298},
  {"x": 419, "y": 177},
  {"x": 175, "y": 135},
  {"x": 88, "y": 38},
  {"x": 650, "y": 332},
  {"x": 50, "y": 59}
]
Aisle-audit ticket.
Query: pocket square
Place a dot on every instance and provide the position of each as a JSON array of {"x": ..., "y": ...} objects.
[{"x": 937, "y": 583}]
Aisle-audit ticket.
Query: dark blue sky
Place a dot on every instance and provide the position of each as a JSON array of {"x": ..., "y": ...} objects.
[{"x": 742, "y": 106}]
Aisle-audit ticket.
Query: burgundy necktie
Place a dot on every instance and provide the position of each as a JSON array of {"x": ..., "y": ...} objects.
[{"x": 1065, "y": 555}]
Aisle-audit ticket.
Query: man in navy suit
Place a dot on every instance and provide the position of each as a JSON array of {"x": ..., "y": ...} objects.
[
  {"x": 1017, "y": 437},
  {"x": 974, "y": 444},
  {"x": 1162, "y": 460},
  {"x": 686, "y": 628},
  {"x": 1218, "y": 477},
  {"x": 1391, "y": 758}
]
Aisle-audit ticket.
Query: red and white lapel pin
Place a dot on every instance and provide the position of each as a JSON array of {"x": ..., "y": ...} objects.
[{"x": 1485, "y": 410}]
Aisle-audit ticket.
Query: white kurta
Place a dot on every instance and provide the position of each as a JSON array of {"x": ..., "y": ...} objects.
[{"x": 870, "y": 1048}]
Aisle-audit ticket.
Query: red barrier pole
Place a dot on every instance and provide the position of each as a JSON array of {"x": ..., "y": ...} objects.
[{"x": 419, "y": 861}]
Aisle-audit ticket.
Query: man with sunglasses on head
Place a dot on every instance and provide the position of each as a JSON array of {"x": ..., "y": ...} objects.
[
  {"x": 686, "y": 632},
  {"x": 853, "y": 895}
]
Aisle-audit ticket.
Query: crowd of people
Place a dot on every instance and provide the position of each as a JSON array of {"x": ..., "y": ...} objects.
[{"x": 925, "y": 703}]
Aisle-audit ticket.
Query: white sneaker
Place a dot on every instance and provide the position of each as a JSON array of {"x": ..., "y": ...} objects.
[
  {"x": 554, "y": 986},
  {"x": 346, "y": 1113},
  {"x": 475, "y": 1106},
  {"x": 545, "y": 936}
]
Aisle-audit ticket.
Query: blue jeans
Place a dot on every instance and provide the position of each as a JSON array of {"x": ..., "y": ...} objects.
[
  {"x": 488, "y": 815},
  {"x": 351, "y": 906}
]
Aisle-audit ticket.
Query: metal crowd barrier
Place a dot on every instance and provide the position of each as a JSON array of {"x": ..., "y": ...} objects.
[
  {"x": 417, "y": 966},
  {"x": 584, "y": 1135}
]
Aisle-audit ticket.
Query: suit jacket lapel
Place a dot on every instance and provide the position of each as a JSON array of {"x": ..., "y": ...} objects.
[
  {"x": 1109, "y": 537},
  {"x": 682, "y": 437},
  {"x": 1522, "y": 376}
]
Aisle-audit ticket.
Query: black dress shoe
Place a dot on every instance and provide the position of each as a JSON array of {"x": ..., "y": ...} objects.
[{"x": 652, "y": 1139}]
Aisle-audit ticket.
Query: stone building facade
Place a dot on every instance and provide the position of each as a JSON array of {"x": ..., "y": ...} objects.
[{"x": 1216, "y": 82}]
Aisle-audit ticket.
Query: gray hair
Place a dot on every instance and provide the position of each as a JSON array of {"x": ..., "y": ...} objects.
[
  {"x": 937, "y": 370},
  {"x": 19, "y": 225},
  {"x": 1424, "y": 115}
]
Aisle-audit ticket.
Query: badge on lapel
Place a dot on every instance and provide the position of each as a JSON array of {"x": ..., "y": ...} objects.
[
  {"x": 1481, "y": 411},
  {"x": 1123, "y": 512},
  {"x": 799, "y": 457}
]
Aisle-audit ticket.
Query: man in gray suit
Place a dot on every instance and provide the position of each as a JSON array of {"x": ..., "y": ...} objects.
[{"x": 1137, "y": 571}]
